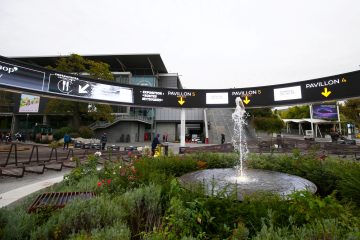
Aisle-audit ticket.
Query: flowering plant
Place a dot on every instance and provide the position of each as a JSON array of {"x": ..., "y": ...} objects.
[{"x": 104, "y": 183}]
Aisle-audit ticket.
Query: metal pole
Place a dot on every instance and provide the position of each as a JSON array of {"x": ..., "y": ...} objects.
[
  {"x": 311, "y": 117},
  {"x": 27, "y": 126},
  {"x": 338, "y": 113},
  {"x": 206, "y": 128},
  {"x": 182, "y": 128}
]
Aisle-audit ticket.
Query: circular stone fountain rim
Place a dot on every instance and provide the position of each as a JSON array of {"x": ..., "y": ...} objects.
[{"x": 306, "y": 184}]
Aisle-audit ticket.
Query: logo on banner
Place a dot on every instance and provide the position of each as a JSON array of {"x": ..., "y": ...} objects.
[
  {"x": 8, "y": 69},
  {"x": 64, "y": 86}
]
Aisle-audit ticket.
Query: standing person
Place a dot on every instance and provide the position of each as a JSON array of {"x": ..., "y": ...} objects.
[
  {"x": 8, "y": 137},
  {"x": 154, "y": 143},
  {"x": 67, "y": 140},
  {"x": 103, "y": 141},
  {"x": 279, "y": 140},
  {"x": 222, "y": 138}
]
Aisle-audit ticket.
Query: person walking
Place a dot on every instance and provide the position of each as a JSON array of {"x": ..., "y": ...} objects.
[
  {"x": 67, "y": 140},
  {"x": 222, "y": 138},
  {"x": 103, "y": 141},
  {"x": 154, "y": 143}
]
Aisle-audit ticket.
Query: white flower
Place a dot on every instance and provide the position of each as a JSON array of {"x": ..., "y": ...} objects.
[{"x": 97, "y": 154}]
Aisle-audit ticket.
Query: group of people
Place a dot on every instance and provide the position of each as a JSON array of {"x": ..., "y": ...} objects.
[
  {"x": 5, "y": 137},
  {"x": 67, "y": 140}
]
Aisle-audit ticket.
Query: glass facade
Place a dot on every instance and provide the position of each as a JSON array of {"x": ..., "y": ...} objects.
[{"x": 149, "y": 81}]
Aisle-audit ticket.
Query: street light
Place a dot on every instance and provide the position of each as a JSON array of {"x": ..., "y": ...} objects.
[{"x": 27, "y": 122}]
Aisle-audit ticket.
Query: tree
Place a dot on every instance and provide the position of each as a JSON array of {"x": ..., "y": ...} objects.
[
  {"x": 78, "y": 65},
  {"x": 268, "y": 124},
  {"x": 296, "y": 112},
  {"x": 264, "y": 119},
  {"x": 351, "y": 110}
]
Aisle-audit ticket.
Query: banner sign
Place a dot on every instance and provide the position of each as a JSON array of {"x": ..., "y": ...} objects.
[
  {"x": 29, "y": 103},
  {"x": 327, "y": 112},
  {"x": 23, "y": 77}
]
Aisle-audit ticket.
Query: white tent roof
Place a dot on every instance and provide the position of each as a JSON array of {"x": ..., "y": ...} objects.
[{"x": 315, "y": 121}]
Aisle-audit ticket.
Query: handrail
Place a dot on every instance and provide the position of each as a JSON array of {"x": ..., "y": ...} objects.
[{"x": 105, "y": 124}]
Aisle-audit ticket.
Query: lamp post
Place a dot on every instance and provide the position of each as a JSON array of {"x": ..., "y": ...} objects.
[{"x": 27, "y": 127}]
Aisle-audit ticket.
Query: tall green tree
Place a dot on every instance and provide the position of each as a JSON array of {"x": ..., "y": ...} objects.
[
  {"x": 351, "y": 110},
  {"x": 296, "y": 112},
  {"x": 78, "y": 65},
  {"x": 264, "y": 119}
]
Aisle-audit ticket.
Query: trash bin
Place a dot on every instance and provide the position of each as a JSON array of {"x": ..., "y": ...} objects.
[{"x": 182, "y": 150}]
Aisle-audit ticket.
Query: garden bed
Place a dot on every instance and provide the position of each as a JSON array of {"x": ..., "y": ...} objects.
[{"x": 143, "y": 200}]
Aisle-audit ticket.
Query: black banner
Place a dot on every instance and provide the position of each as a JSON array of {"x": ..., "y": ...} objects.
[{"x": 19, "y": 76}]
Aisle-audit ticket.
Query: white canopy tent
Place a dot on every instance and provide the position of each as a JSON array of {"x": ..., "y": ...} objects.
[{"x": 316, "y": 123}]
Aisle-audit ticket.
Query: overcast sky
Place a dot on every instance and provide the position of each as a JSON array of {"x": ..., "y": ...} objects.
[{"x": 211, "y": 44}]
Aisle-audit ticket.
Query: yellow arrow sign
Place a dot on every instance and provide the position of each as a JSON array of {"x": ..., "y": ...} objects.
[
  {"x": 326, "y": 93},
  {"x": 181, "y": 101},
  {"x": 247, "y": 100}
]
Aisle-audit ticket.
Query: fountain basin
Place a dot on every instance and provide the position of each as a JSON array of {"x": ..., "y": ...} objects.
[{"x": 224, "y": 180}]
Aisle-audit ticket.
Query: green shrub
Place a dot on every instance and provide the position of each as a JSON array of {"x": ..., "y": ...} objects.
[
  {"x": 329, "y": 175},
  {"x": 16, "y": 223},
  {"x": 59, "y": 133},
  {"x": 217, "y": 160},
  {"x": 86, "y": 132},
  {"x": 117, "y": 231},
  {"x": 84, "y": 184},
  {"x": 80, "y": 215},
  {"x": 319, "y": 229},
  {"x": 142, "y": 207},
  {"x": 268, "y": 124},
  {"x": 85, "y": 169}
]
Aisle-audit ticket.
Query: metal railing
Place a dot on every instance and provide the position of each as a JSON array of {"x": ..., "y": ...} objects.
[{"x": 105, "y": 124}]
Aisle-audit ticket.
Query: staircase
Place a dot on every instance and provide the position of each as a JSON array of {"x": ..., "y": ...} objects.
[
  {"x": 119, "y": 118},
  {"x": 221, "y": 122}
]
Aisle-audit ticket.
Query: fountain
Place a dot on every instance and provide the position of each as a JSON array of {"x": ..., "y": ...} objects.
[{"x": 244, "y": 182}]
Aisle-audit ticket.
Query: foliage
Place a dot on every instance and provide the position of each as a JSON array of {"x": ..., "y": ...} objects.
[
  {"x": 142, "y": 207},
  {"x": 260, "y": 112},
  {"x": 319, "y": 229},
  {"x": 59, "y": 133},
  {"x": 351, "y": 110},
  {"x": 144, "y": 200},
  {"x": 80, "y": 215},
  {"x": 88, "y": 168},
  {"x": 16, "y": 224},
  {"x": 117, "y": 231},
  {"x": 55, "y": 144},
  {"x": 296, "y": 112},
  {"x": 86, "y": 132},
  {"x": 329, "y": 175},
  {"x": 268, "y": 124}
]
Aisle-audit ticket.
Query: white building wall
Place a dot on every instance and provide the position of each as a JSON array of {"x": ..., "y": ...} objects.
[
  {"x": 173, "y": 114},
  {"x": 166, "y": 128}
]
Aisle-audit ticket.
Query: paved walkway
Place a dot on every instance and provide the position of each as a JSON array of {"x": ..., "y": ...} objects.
[{"x": 13, "y": 189}]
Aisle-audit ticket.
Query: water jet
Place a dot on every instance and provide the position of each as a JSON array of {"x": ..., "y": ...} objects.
[{"x": 244, "y": 181}]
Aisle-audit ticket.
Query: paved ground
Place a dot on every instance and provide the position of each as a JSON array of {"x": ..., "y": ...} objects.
[{"x": 12, "y": 189}]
